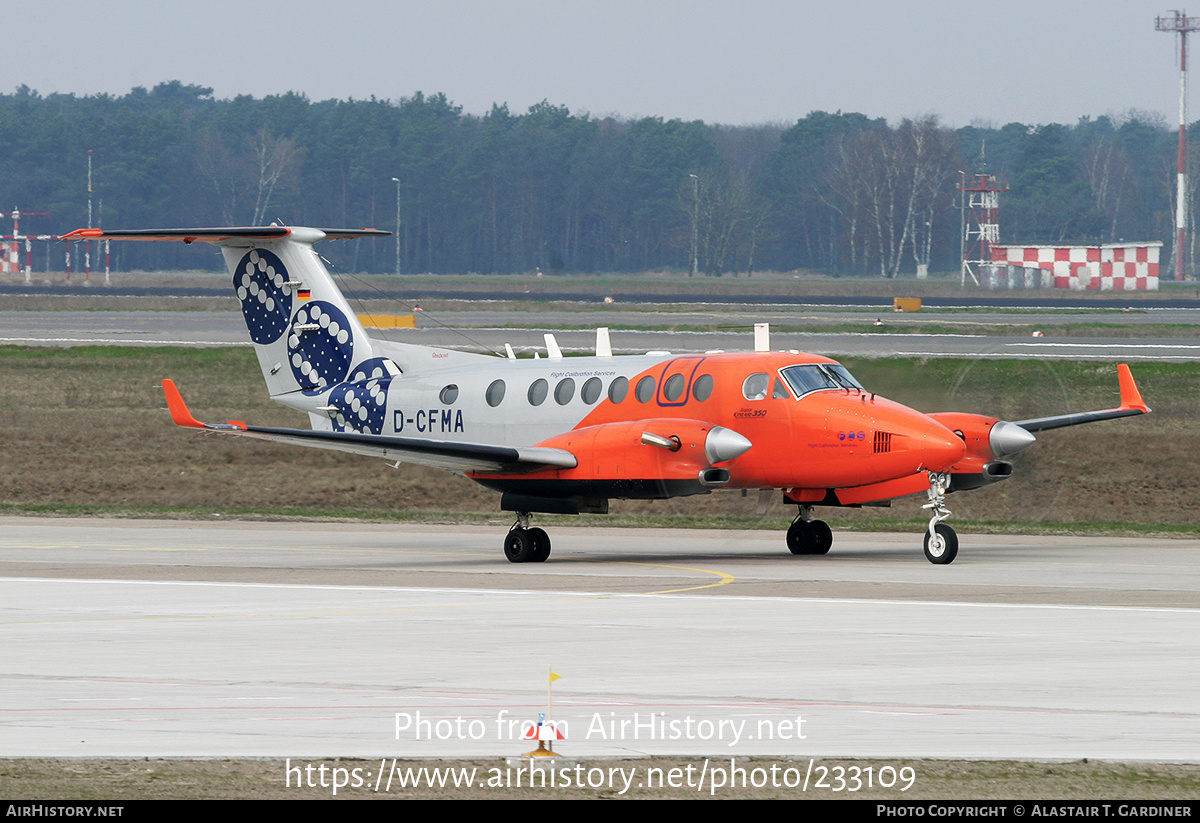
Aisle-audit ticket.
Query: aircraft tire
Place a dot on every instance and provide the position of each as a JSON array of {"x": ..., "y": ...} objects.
[
  {"x": 519, "y": 546},
  {"x": 801, "y": 538},
  {"x": 943, "y": 548},
  {"x": 541, "y": 545},
  {"x": 822, "y": 537}
]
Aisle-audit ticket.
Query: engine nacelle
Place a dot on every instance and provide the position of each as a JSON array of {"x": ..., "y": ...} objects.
[
  {"x": 987, "y": 440},
  {"x": 634, "y": 459}
]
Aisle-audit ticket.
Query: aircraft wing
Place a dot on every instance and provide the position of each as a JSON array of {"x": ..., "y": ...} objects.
[
  {"x": 442, "y": 454},
  {"x": 1131, "y": 404}
]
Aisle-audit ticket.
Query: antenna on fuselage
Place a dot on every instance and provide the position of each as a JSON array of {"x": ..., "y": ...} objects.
[
  {"x": 509, "y": 352},
  {"x": 552, "y": 350},
  {"x": 603, "y": 345},
  {"x": 762, "y": 336}
]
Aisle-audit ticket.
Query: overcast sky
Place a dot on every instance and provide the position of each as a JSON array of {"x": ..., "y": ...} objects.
[{"x": 732, "y": 62}]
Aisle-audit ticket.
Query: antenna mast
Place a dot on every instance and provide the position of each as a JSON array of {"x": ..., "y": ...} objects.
[{"x": 1182, "y": 24}]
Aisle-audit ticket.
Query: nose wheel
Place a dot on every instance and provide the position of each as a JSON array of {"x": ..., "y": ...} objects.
[
  {"x": 941, "y": 545},
  {"x": 525, "y": 545},
  {"x": 941, "y": 541}
]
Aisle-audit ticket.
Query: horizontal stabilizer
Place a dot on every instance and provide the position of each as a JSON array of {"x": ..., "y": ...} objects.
[{"x": 217, "y": 235}]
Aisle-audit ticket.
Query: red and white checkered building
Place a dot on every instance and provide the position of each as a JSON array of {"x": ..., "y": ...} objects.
[
  {"x": 1108, "y": 267},
  {"x": 10, "y": 256}
]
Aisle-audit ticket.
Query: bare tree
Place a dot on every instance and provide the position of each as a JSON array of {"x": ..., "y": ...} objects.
[
  {"x": 223, "y": 174},
  {"x": 276, "y": 159},
  {"x": 266, "y": 163},
  {"x": 893, "y": 180}
]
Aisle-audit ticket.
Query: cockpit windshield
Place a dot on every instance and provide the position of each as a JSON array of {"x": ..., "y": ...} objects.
[{"x": 813, "y": 377}]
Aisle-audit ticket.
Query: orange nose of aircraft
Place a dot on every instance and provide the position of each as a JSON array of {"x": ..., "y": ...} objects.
[{"x": 938, "y": 447}]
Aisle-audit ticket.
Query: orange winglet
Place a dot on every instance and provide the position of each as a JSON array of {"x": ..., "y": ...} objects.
[
  {"x": 1131, "y": 398},
  {"x": 179, "y": 409},
  {"x": 82, "y": 233}
]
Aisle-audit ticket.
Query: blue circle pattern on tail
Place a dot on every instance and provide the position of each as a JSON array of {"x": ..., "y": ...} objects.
[
  {"x": 320, "y": 356},
  {"x": 361, "y": 403},
  {"x": 266, "y": 302}
]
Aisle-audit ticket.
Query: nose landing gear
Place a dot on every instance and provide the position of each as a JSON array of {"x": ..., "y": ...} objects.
[{"x": 941, "y": 541}]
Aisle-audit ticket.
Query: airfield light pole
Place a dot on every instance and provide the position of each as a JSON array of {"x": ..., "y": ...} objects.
[
  {"x": 695, "y": 224},
  {"x": 1182, "y": 24},
  {"x": 87, "y": 245},
  {"x": 962, "y": 224},
  {"x": 396, "y": 180}
]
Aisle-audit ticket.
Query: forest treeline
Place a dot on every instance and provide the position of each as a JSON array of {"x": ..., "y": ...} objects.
[{"x": 840, "y": 193}]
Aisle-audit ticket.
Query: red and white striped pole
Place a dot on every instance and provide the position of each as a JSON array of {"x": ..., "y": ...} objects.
[
  {"x": 1181, "y": 24},
  {"x": 1181, "y": 175}
]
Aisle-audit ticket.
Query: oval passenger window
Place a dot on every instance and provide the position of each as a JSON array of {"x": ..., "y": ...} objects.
[
  {"x": 755, "y": 387},
  {"x": 495, "y": 393}
]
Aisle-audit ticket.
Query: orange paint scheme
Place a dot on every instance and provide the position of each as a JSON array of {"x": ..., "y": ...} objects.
[
  {"x": 974, "y": 430},
  {"x": 826, "y": 439}
]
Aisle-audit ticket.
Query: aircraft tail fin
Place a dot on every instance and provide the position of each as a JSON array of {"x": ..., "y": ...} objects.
[
  {"x": 306, "y": 336},
  {"x": 314, "y": 353}
]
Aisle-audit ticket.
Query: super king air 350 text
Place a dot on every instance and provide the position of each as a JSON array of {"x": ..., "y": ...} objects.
[{"x": 565, "y": 436}]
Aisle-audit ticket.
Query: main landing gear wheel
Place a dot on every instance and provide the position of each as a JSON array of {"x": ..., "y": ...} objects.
[
  {"x": 527, "y": 545},
  {"x": 518, "y": 546},
  {"x": 800, "y": 538},
  {"x": 811, "y": 537},
  {"x": 822, "y": 537},
  {"x": 541, "y": 545},
  {"x": 942, "y": 546}
]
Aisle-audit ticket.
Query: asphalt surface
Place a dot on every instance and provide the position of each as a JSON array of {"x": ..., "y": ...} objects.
[
  {"x": 317, "y": 640},
  {"x": 314, "y": 640},
  {"x": 479, "y": 331}
]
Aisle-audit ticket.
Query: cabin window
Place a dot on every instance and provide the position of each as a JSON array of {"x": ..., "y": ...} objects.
[
  {"x": 495, "y": 393},
  {"x": 645, "y": 389},
  {"x": 618, "y": 389},
  {"x": 448, "y": 394},
  {"x": 564, "y": 391},
  {"x": 537, "y": 392},
  {"x": 674, "y": 387},
  {"x": 702, "y": 388},
  {"x": 591, "y": 390},
  {"x": 755, "y": 386}
]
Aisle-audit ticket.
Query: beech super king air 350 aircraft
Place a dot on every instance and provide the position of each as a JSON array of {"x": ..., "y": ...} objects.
[{"x": 565, "y": 435}]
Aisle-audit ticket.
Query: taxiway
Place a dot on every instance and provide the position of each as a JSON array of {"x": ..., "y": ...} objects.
[
  {"x": 183, "y": 328},
  {"x": 313, "y": 640}
]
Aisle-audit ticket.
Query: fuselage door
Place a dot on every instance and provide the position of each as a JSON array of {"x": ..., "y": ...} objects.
[{"x": 675, "y": 384}]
